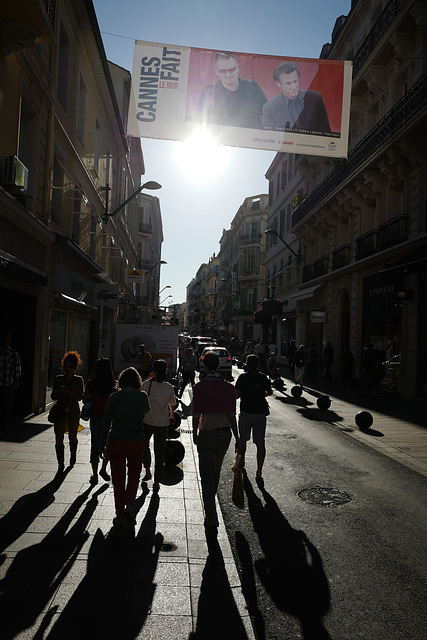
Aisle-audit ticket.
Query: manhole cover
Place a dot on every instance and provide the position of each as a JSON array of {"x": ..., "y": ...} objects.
[
  {"x": 168, "y": 546},
  {"x": 325, "y": 496}
]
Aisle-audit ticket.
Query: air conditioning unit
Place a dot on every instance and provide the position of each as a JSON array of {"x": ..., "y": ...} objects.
[{"x": 14, "y": 175}]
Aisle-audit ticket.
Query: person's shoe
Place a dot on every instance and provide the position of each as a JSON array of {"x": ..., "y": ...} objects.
[
  {"x": 105, "y": 476},
  {"x": 147, "y": 476},
  {"x": 260, "y": 481},
  {"x": 93, "y": 480},
  {"x": 129, "y": 515},
  {"x": 211, "y": 533},
  {"x": 118, "y": 521},
  {"x": 156, "y": 487}
]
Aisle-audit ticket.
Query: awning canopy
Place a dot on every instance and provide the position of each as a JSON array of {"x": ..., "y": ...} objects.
[
  {"x": 411, "y": 263},
  {"x": 304, "y": 294}
]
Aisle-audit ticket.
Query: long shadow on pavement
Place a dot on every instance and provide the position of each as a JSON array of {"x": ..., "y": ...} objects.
[
  {"x": 291, "y": 570},
  {"x": 26, "y": 509},
  {"x": 217, "y": 614},
  {"x": 114, "y": 598},
  {"x": 37, "y": 571}
]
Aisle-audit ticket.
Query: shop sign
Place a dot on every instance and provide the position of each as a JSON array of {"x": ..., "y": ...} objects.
[{"x": 318, "y": 316}]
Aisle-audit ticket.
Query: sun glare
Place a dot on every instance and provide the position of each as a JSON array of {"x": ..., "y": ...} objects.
[{"x": 201, "y": 159}]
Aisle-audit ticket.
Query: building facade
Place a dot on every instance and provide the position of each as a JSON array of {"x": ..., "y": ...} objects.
[
  {"x": 67, "y": 165},
  {"x": 362, "y": 221}
]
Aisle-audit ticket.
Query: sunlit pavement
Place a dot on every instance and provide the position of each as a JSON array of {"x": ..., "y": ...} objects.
[
  {"x": 66, "y": 572},
  {"x": 399, "y": 427}
]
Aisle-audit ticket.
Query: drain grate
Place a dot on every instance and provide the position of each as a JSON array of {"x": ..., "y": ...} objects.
[
  {"x": 168, "y": 546},
  {"x": 324, "y": 496}
]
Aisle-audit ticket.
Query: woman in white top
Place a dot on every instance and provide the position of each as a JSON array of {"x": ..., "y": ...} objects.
[{"x": 162, "y": 401}]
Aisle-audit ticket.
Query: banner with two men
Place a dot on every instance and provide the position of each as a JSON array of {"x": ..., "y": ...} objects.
[{"x": 294, "y": 105}]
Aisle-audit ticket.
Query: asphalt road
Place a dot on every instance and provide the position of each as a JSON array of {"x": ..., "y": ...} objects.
[{"x": 349, "y": 563}]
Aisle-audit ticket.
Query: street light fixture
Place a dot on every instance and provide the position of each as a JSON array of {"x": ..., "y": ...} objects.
[
  {"x": 272, "y": 232},
  {"x": 167, "y": 287},
  {"x": 169, "y": 296},
  {"x": 155, "y": 265},
  {"x": 151, "y": 185}
]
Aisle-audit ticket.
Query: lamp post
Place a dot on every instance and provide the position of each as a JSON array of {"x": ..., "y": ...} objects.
[
  {"x": 155, "y": 265},
  {"x": 167, "y": 287},
  {"x": 151, "y": 185},
  {"x": 272, "y": 232},
  {"x": 169, "y": 296}
]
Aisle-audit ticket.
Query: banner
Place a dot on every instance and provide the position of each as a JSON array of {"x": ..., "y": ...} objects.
[
  {"x": 160, "y": 340},
  {"x": 294, "y": 105}
]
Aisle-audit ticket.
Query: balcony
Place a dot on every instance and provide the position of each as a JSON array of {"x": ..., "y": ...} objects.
[
  {"x": 393, "y": 232},
  {"x": 387, "y": 128},
  {"x": 367, "y": 244},
  {"x": 248, "y": 240},
  {"x": 146, "y": 229},
  {"x": 316, "y": 269},
  {"x": 341, "y": 257},
  {"x": 25, "y": 25}
]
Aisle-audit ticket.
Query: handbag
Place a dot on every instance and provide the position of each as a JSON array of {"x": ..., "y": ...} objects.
[
  {"x": 237, "y": 494},
  {"x": 57, "y": 412},
  {"x": 86, "y": 412}
]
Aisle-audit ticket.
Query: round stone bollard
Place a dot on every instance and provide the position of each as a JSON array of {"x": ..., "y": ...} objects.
[
  {"x": 364, "y": 420},
  {"x": 278, "y": 384},
  {"x": 174, "y": 452},
  {"x": 177, "y": 423},
  {"x": 324, "y": 402},
  {"x": 296, "y": 391}
]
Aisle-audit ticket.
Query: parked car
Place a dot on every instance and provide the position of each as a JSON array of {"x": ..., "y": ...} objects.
[
  {"x": 224, "y": 361},
  {"x": 200, "y": 342}
]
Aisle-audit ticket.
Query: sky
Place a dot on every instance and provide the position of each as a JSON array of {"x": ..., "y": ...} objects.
[{"x": 201, "y": 192}]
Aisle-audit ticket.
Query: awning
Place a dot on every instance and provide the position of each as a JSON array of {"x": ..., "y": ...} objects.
[
  {"x": 411, "y": 263},
  {"x": 306, "y": 293}
]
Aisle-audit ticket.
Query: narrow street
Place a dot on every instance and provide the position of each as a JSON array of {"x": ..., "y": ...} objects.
[{"x": 332, "y": 546}]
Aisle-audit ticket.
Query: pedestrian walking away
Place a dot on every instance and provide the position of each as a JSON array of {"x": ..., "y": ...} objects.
[
  {"x": 328, "y": 358},
  {"x": 68, "y": 390},
  {"x": 10, "y": 374},
  {"x": 144, "y": 361},
  {"x": 300, "y": 360},
  {"x": 214, "y": 420},
  {"x": 161, "y": 395},
  {"x": 122, "y": 438},
  {"x": 189, "y": 367},
  {"x": 100, "y": 386},
  {"x": 252, "y": 388}
]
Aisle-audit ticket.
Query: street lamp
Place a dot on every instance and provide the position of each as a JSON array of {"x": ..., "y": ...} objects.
[
  {"x": 151, "y": 185},
  {"x": 167, "y": 287},
  {"x": 272, "y": 232},
  {"x": 155, "y": 265},
  {"x": 169, "y": 296}
]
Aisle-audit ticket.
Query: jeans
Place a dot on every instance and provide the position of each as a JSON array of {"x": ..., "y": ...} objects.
[
  {"x": 212, "y": 447},
  {"x": 120, "y": 454},
  {"x": 160, "y": 435},
  {"x": 95, "y": 434}
]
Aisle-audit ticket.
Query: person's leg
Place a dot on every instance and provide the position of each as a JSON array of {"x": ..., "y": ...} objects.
[
  {"x": 118, "y": 471},
  {"x": 260, "y": 457},
  {"x": 212, "y": 446},
  {"x": 258, "y": 430},
  {"x": 59, "y": 444},
  {"x": 148, "y": 432},
  {"x": 244, "y": 428},
  {"x": 73, "y": 425},
  {"x": 95, "y": 432},
  {"x": 184, "y": 383},
  {"x": 192, "y": 378},
  {"x": 134, "y": 454},
  {"x": 160, "y": 437}
]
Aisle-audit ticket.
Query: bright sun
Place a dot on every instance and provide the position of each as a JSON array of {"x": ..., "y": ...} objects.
[{"x": 200, "y": 158}]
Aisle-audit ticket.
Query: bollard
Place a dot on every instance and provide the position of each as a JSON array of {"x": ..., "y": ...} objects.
[
  {"x": 324, "y": 402},
  {"x": 296, "y": 391},
  {"x": 364, "y": 420}
]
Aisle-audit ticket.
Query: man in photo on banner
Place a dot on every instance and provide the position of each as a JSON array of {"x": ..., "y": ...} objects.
[
  {"x": 232, "y": 101},
  {"x": 294, "y": 108}
]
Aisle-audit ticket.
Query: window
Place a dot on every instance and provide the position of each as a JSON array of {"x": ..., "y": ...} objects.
[
  {"x": 63, "y": 67},
  {"x": 57, "y": 190},
  {"x": 81, "y": 116},
  {"x": 284, "y": 173},
  {"x": 96, "y": 146}
]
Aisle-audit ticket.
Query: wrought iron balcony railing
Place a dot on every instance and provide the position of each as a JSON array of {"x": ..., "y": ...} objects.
[
  {"x": 389, "y": 126},
  {"x": 341, "y": 257},
  {"x": 393, "y": 232}
]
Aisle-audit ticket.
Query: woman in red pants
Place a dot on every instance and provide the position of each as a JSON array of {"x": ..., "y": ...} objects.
[{"x": 123, "y": 426}]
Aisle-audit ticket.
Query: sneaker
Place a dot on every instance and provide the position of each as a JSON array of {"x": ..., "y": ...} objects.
[
  {"x": 105, "y": 476},
  {"x": 118, "y": 521},
  {"x": 129, "y": 515}
]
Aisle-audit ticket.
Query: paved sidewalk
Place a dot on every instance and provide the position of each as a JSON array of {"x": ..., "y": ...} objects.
[
  {"x": 399, "y": 428},
  {"x": 66, "y": 573}
]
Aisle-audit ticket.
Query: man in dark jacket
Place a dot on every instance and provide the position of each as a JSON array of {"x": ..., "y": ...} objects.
[
  {"x": 252, "y": 387},
  {"x": 294, "y": 108},
  {"x": 232, "y": 101}
]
